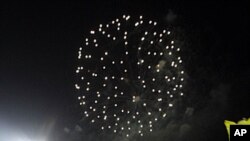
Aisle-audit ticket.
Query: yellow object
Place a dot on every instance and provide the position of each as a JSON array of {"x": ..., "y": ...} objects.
[{"x": 241, "y": 122}]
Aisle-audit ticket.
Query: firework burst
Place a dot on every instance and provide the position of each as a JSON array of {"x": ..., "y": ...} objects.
[{"x": 129, "y": 75}]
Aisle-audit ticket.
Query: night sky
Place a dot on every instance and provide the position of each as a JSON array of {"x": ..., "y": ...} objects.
[{"x": 38, "y": 57}]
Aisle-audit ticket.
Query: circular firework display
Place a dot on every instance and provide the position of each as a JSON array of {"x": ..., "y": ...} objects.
[{"x": 129, "y": 75}]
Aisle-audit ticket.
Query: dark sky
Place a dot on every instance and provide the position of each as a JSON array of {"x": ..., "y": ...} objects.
[{"x": 39, "y": 43}]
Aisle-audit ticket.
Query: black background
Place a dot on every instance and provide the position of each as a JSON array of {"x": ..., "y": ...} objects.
[{"x": 38, "y": 53}]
